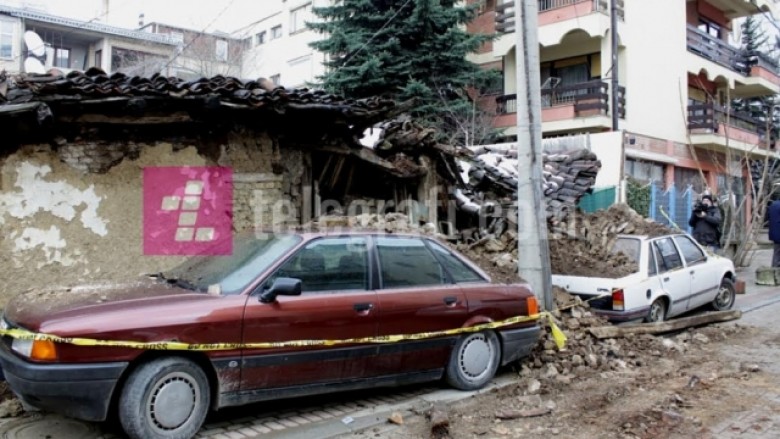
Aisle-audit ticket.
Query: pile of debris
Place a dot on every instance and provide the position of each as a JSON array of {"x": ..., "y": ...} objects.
[
  {"x": 492, "y": 176},
  {"x": 580, "y": 244},
  {"x": 584, "y": 353}
]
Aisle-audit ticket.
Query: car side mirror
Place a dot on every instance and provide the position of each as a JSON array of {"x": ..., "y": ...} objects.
[{"x": 282, "y": 286}]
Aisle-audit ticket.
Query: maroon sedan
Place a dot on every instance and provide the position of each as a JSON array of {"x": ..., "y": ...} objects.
[{"x": 273, "y": 288}]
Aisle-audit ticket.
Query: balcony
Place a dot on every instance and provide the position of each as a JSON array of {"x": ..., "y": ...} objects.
[
  {"x": 762, "y": 78},
  {"x": 712, "y": 124},
  {"x": 553, "y": 11},
  {"x": 583, "y": 106}
]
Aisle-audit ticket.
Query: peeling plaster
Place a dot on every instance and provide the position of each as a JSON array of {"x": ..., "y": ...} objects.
[
  {"x": 50, "y": 241},
  {"x": 57, "y": 197}
]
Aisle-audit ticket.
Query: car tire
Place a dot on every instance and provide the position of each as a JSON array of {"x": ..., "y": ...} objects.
[
  {"x": 657, "y": 311},
  {"x": 167, "y": 398},
  {"x": 727, "y": 295},
  {"x": 474, "y": 360}
]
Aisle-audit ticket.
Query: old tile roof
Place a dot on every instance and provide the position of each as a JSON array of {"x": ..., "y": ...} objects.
[{"x": 94, "y": 87}]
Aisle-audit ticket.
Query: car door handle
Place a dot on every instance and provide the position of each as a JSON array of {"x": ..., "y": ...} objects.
[
  {"x": 363, "y": 307},
  {"x": 693, "y": 271},
  {"x": 450, "y": 300},
  {"x": 666, "y": 279}
]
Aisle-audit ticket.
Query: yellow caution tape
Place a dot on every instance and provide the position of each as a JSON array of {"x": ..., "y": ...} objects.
[{"x": 558, "y": 336}]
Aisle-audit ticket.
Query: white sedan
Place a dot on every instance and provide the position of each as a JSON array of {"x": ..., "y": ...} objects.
[{"x": 675, "y": 275}]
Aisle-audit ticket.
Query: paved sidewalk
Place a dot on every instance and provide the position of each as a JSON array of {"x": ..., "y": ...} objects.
[{"x": 756, "y": 296}]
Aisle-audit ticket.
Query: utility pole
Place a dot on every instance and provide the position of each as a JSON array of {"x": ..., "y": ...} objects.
[
  {"x": 615, "y": 104},
  {"x": 533, "y": 253}
]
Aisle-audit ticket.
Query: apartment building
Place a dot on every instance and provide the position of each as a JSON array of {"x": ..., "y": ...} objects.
[
  {"x": 278, "y": 44},
  {"x": 201, "y": 54},
  {"x": 677, "y": 74},
  {"x": 77, "y": 44},
  {"x": 154, "y": 47}
]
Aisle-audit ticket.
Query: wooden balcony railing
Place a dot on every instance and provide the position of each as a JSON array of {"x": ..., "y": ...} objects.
[
  {"x": 708, "y": 117},
  {"x": 720, "y": 52},
  {"x": 586, "y": 96},
  {"x": 505, "y": 11}
]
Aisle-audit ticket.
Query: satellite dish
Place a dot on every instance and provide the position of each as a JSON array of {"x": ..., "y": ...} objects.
[
  {"x": 33, "y": 65},
  {"x": 35, "y": 45}
]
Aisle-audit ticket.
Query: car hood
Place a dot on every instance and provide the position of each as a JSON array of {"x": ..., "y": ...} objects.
[{"x": 33, "y": 308}]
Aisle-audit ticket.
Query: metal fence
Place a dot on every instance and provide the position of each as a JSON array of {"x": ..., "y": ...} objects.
[{"x": 672, "y": 207}]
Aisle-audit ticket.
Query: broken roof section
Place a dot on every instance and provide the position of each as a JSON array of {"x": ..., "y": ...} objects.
[{"x": 29, "y": 102}]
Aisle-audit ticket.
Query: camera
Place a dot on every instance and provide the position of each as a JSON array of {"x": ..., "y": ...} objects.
[{"x": 699, "y": 207}]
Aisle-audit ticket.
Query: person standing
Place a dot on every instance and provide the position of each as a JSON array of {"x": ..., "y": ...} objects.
[
  {"x": 705, "y": 221},
  {"x": 774, "y": 231}
]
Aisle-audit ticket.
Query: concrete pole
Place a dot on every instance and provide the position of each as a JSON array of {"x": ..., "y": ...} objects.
[{"x": 533, "y": 253}]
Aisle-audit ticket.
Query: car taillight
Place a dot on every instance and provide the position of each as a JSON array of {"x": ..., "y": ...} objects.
[
  {"x": 618, "y": 301},
  {"x": 533, "y": 306}
]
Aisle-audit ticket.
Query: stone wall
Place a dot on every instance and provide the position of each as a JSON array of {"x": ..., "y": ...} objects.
[{"x": 72, "y": 212}]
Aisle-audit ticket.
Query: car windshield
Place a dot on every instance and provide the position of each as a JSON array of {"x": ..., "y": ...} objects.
[
  {"x": 629, "y": 247},
  {"x": 231, "y": 274}
]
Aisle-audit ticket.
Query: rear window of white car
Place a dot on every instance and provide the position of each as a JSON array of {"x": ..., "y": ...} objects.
[{"x": 629, "y": 247}]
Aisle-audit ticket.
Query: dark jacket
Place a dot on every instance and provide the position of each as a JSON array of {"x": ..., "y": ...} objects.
[
  {"x": 705, "y": 230},
  {"x": 774, "y": 222}
]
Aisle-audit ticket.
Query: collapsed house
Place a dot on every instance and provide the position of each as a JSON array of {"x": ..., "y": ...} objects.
[{"x": 75, "y": 147}]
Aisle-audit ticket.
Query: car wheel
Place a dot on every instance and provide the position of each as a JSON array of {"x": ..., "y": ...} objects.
[
  {"x": 726, "y": 297},
  {"x": 657, "y": 312},
  {"x": 166, "y": 398},
  {"x": 474, "y": 360}
]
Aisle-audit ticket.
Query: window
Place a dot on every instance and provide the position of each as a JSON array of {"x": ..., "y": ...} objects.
[
  {"x": 691, "y": 252},
  {"x": 276, "y": 32},
  {"x": 651, "y": 268},
  {"x": 98, "y": 58},
  {"x": 62, "y": 57},
  {"x": 276, "y": 79},
  {"x": 221, "y": 50},
  {"x": 407, "y": 262},
  {"x": 329, "y": 264},
  {"x": 644, "y": 171},
  {"x": 629, "y": 247},
  {"x": 260, "y": 38},
  {"x": 6, "y": 39},
  {"x": 710, "y": 28},
  {"x": 458, "y": 270},
  {"x": 299, "y": 17},
  {"x": 667, "y": 255}
]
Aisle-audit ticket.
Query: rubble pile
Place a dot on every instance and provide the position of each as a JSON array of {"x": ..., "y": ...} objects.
[
  {"x": 567, "y": 177},
  {"x": 580, "y": 244},
  {"x": 585, "y": 354}
]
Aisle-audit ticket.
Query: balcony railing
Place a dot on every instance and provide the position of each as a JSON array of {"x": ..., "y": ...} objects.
[
  {"x": 505, "y": 12},
  {"x": 592, "y": 96},
  {"x": 720, "y": 52},
  {"x": 708, "y": 117}
]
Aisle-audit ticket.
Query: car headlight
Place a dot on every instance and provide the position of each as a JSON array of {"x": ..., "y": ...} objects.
[
  {"x": 43, "y": 350},
  {"x": 22, "y": 347}
]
